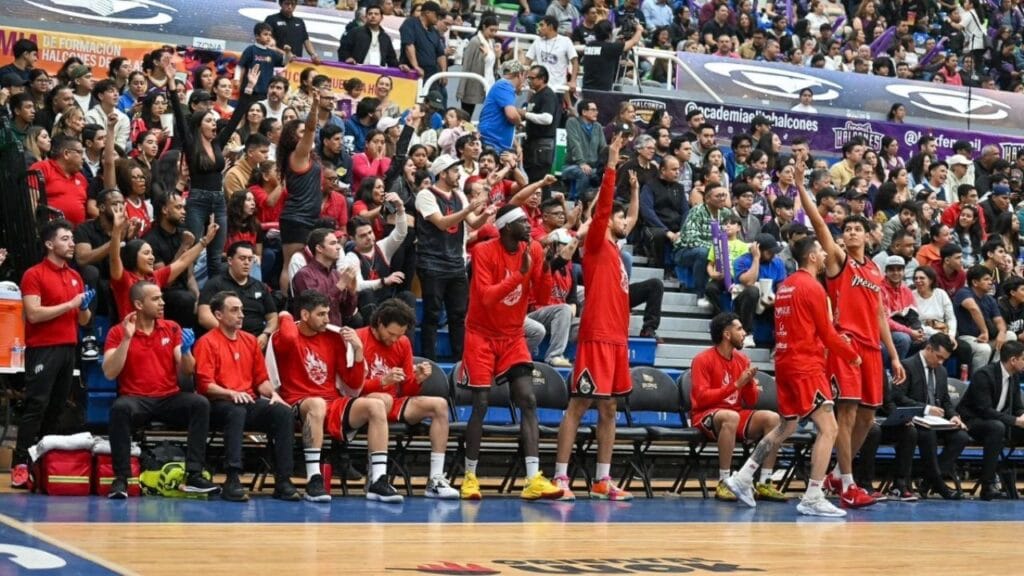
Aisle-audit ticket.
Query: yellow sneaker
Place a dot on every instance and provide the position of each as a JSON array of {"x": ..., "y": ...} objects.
[
  {"x": 769, "y": 492},
  {"x": 470, "y": 489},
  {"x": 539, "y": 487},
  {"x": 605, "y": 489},
  {"x": 722, "y": 492}
]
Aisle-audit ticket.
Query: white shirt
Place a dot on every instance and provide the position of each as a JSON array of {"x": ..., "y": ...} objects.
[
  {"x": 373, "y": 55},
  {"x": 556, "y": 54},
  {"x": 271, "y": 113},
  {"x": 122, "y": 129},
  {"x": 805, "y": 108}
]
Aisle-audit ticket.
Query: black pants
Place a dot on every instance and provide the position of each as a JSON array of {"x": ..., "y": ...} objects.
[
  {"x": 904, "y": 437},
  {"x": 452, "y": 292},
  {"x": 992, "y": 434},
  {"x": 182, "y": 409},
  {"x": 538, "y": 156},
  {"x": 49, "y": 375},
  {"x": 404, "y": 260},
  {"x": 935, "y": 466},
  {"x": 276, "y": 420},
  {"x": 180, "y": 306},
  {"x": 655, "y": 240},
  {"x": 469, "y": 108},
  {"x": 650, "y": 291}
]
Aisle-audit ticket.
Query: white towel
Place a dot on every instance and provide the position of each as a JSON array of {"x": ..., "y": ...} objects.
[
  {"x": 80, "y": 441},
  {"x": 102, "y": 446}
]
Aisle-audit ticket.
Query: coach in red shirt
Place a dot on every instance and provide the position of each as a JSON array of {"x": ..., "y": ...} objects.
[
  {"x": 232, "y": 373},
  {"x": 56, "y": 302},
  {"x": 145, "y": 354},
  {"x": 65, "y": 185}
]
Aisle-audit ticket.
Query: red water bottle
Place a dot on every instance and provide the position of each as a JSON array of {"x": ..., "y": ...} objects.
[{"x": 963, "y": 373}]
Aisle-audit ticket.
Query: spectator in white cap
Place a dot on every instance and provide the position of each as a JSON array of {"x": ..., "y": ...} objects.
[
  {"x": 907, "y": 333},
  {"x": 441, "y": 261},
  {"x": 960, "y": 172}
]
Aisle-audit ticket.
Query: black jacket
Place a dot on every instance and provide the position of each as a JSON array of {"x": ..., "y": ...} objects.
[
  {"x": 355, "y": 44},
  {"x": 914, "y": 390},
  {"x": 982, "y": 396}
]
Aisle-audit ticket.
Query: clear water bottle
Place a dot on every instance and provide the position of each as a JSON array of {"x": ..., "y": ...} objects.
[{"x": 17, "y": 354}]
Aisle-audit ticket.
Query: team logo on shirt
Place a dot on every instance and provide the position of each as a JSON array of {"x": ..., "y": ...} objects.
[
  {"x": 237, "y": 356},
  {"x": 861, "y": 282},
  {"x": 513, "y": 298},
  {"x": 165, "y": 341},
  {"x": 378, "y": 368},
  {"x": 74, "y": 283},
  {"x": 623, "y": 277},
  {"x": 316, "y": 368}
]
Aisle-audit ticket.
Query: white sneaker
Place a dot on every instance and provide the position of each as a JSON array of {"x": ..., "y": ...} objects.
[
  {"x": 703, "y": 303},
  {"x": 748, "y": 341},
  {"x": 743, "y": 490},
  {"x": 819, "y": 507},
  {"x": 438, "y": 487}
]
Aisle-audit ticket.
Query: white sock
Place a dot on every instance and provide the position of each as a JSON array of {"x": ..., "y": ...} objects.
[
  {"x": 847, "y": 481},
  {"x": 746, "y": 473},
  {"x": 835, "y": 473},
  {"x": 766, "y": 475},
  {"x": 471, "y": 466},
  {"x": 723, "y": 473},
  {"x": 603, "y": 471},
  {"x": 312, "y": 458},
  {"x": 436, "y": 464},
  {"x": 813, "y": 490},
  {"x": 378, "y": 465},
  {"x": 561, "y": 469},
  {"x": 532, "y": 466}
]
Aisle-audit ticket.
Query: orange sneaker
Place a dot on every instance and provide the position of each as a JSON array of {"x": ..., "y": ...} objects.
[
  {"x": 21, "y": 478},
  {"x": 605, "y": 489}
]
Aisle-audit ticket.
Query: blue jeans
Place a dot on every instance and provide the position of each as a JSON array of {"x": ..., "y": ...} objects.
[
  {"x": 902, "y": 342},
  {"x": 581, "y": 183},
  {"x": 529, "y": 20},
  {"x": 627, "y": 262},
  {"x": 696, "y": 259},
  {"x": 200, "y": 206}
]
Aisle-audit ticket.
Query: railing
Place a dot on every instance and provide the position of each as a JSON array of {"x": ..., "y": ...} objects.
[
  {"x": 516, "y": 37},
  {"x": 425, "y": 86}
]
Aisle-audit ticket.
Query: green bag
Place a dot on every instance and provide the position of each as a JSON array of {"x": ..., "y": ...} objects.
[{"x": 167, "y": 480}]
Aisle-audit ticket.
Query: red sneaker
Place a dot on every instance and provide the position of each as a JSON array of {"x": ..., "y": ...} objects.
[
  {"x": 21, "y": 478},
  {"x": 856, "y": 497},
  {"x": 832, "y": 485}
]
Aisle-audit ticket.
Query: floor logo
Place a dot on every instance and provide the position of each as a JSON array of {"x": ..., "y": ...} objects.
[
  {"x": 148, "y": 12},
  {"x": 589, "y": 566},
  {"x": 781, "y": 83},
  {"x": 955, "y": 103}
]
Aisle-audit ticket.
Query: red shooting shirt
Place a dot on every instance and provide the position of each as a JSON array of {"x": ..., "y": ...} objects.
[
  {"x": 605, "y": 315},
  {"x": 380, "y": 359},
  {"x": 802, "y": 327},
  {"x": 314, "y": 365},
  {"x": 499, "y": 294},
  {"x": 714, "y": 382}
]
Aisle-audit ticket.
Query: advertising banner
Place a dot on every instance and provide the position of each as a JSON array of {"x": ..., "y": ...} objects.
[
  {"x": 404, "y": 85},
  {"x": 826, "y": 134},
  {"x": 776, "y": 87}
]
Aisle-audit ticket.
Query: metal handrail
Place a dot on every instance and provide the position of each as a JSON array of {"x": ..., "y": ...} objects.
[
  {"x": 424, "y": 88},
  {"x": 503, "y": 34}
]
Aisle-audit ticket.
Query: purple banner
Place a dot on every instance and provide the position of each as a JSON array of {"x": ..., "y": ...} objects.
[{"x": 826, "y": 134}]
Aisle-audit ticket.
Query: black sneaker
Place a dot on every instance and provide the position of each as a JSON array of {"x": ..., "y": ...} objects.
[
  {"x": 90, "y": 349},
  {"x": 196, "y": 483},
  {"x": 285, "y": 490},
  {"x": 383, "y": 491},
  {"x": 118, "y": 489},
  {"x": 315, "y": 491},
  {"x": 233, "y": 490}
]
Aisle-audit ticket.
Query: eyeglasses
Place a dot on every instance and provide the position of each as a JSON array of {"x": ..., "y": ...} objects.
[{"x": 531, "y": 77}]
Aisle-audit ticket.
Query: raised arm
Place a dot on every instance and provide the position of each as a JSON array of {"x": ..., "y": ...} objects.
[
  {"x": 300, "y": 159},
  {"x": 837, "y": 256}
]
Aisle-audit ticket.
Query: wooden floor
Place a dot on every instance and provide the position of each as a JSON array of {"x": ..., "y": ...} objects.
[{"x": 812, "y": 549}]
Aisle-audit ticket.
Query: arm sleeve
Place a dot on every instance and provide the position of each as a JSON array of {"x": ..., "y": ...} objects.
[{"x": 602, "y": 212}]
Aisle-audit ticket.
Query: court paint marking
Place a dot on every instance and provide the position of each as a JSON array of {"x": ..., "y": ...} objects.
[{"x": 29, "y": 551}]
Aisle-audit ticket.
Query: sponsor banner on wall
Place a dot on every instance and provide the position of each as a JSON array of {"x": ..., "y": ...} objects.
[
  {"x": 777, "y": 86},
  {"x": 404, "y": 86},
  {"x": 826, "y": 134}
]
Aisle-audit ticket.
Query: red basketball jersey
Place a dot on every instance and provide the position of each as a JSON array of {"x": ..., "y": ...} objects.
[
  {"x": 605, "y": 315},
  {"x": 802, "y": 329},
  {"x": 856, "y": 294}
]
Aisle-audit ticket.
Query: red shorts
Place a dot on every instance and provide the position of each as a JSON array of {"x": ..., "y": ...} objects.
[
  {"x": 397, "y": 413},
  {"x": 601, "y": 370},
  {"x": 705, "y": 421},
  {"x": 862, "y": 383},
  {"x": 800, "y": 395},
  {"x": 487, "y": 360},
  {"x": 336, "y": 424}
]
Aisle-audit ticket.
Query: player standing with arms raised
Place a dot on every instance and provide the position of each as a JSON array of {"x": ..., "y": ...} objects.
[
  {"x": 854, "y": 285},
  {"x": 602, "y": 356}
]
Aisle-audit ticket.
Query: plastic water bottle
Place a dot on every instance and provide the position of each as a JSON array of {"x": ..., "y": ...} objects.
[{"x": 17, "y": 354}]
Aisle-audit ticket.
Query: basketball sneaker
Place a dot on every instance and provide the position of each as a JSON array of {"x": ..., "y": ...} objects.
[
  {"x": 562, "y": 482},
  {"x": 233, "y": 490},
  {"x": 743, "y": 489},
  {"x": 768, "y": 492},
  {"x": 819, "y": 507},
  {"x": 540, "y": 488},
  {"x": 21, "y": 478},
  {"x": 855, "y": 497},
  {"x": 118, "y": 489},
  {"x": 315, "y": 491},
  {"x": 285, "y": 490},
  {"x": 605, "y": 489},
  {"x": 723, "y": 493},
  {"x": 381, "y": 490},
  {"x": 832, "y": 485},
  {"x": 470, "y": 489},
  {"x": 438, "y": 487},
  {"x": 196, "y": 483}
]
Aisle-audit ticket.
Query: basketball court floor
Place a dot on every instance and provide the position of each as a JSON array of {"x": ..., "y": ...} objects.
[{"x": 500, "y": 535}]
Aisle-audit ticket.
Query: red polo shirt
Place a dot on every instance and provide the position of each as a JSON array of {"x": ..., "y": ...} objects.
[
  {"x": 65, "y": 193},
  {"x": 54, "y": 285},
  {"x": 233, "y": 364},
  {"x": 149, "y": 370}
]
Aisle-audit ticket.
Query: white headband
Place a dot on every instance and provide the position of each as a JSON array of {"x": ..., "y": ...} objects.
[{"x": 510, "y": 217}]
